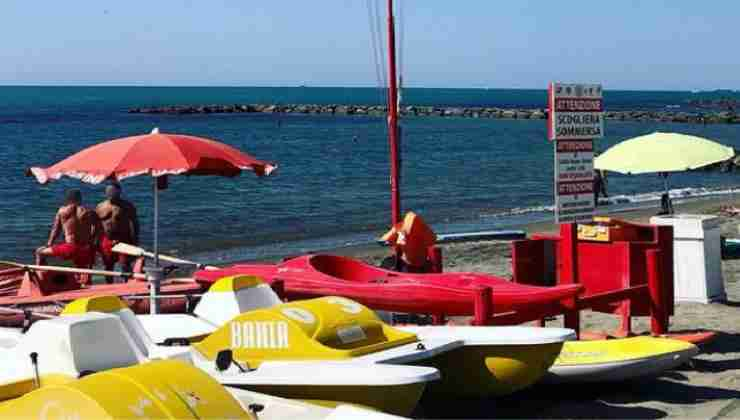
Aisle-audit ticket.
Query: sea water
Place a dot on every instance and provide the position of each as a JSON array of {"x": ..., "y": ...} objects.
[{"x": 332, "y": 185}]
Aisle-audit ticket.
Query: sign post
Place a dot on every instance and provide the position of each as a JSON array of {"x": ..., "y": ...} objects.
[{"x": 575, "y": 118}]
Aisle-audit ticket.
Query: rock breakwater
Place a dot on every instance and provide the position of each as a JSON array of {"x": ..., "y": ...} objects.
[{"x": 726, "y": 117}]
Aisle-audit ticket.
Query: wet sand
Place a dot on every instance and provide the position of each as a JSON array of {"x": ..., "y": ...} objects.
[{"x": 709, "y": 389}]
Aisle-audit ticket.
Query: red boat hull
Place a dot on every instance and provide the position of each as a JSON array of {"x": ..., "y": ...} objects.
[
  {"x": 446, "y": 293},
  {"x": 48, "y": 295}
]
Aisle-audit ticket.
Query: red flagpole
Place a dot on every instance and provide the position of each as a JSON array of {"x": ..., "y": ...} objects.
[{"x": 393, "y": 118}]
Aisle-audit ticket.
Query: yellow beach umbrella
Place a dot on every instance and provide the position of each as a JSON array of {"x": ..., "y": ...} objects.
[{"x": 662, "y": 152}]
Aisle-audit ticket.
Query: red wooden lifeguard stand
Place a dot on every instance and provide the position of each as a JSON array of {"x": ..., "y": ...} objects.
[{"x": 625, "y": 268}]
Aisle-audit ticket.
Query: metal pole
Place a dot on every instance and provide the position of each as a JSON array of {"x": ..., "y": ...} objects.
[
  {"x": 156, "y": 223},
  {"x": 393, "y": 118},
  {"x": 667, "y": 193},
  {"x": 155, "y": 274},
  {"x": 555, "y": 169}
]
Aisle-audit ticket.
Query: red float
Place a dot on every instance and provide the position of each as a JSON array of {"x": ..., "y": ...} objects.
[{"x": 488, "y": 298}]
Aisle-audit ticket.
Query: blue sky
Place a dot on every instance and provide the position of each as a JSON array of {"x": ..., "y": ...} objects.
[{"x": 649, "y": 44}]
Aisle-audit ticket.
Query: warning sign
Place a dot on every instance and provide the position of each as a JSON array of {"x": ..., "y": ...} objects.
[
  {"x": 575, "y": 118},
  {"x": 574, "y": 180},
  {"x": 575, "y": 111},
  {"x": 575, "y": 160}
]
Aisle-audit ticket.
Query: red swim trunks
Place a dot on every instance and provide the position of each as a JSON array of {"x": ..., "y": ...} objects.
[
  {"x": 110, "y": 257},
  {"x": 83, "y": 256}
]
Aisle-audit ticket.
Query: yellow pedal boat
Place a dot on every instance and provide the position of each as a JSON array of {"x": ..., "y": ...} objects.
[
  {"x": 242, "y": 314},
  {"x": 87, "y": 367},
  {"x": 162, "y": 389}
]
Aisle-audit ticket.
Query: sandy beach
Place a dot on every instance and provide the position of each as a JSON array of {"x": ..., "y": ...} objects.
[
  {"x": 150, "y": 149},
  {"x": 710, "y": 388}
]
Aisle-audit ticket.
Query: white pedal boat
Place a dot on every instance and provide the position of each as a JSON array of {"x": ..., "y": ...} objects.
[
  {"x": 460, "y": 358},
  {"x": 9, "y": 337},
  {"x": 72, "y": 347},
  {"x": 474, "y": 362},
  {"x": 389, "y": 388}
]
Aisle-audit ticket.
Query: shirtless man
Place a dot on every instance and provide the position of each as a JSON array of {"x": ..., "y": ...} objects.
[
  {"x": 120, "y": 224},
  {"x": 80, "y": 226}
]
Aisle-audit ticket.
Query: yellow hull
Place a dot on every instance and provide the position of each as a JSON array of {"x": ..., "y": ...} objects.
[
  {"x": 486, "y": 371},
  {"x": 618, "y": 359},
  {"x": 617, "y": 350},
  {"x": 162, "y": 390},
  {"x": 397, "y": 399},
  {"x": 10, "y": 391}
]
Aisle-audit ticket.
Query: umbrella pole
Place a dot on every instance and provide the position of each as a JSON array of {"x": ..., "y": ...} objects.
[
  {"x": 665, "y": 183},
  {"x": 668, "y": 191},
  {"x": 156, "y": 223},
  {"x": 155, "y": 274}
]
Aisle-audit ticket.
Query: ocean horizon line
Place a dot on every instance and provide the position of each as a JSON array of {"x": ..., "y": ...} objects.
[{"x": 304, "y": 86}]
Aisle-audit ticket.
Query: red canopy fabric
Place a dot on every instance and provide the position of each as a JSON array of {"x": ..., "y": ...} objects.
[{"x": 155, "y": 154}]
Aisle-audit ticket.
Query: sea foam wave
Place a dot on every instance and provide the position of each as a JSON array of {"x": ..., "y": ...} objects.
[{"x": 629, "y": 201}]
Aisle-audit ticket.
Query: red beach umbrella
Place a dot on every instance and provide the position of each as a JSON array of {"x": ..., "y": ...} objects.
[{"x": 157, "y": 155}]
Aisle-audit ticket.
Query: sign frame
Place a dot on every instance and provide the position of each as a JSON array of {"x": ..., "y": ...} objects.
[{"x": 575, "y": 118}]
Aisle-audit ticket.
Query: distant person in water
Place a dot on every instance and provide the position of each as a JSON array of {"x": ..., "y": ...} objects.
[
  {"x": 599, "y": 187},
  {"x": 81, "y": 228},
  {"x": 120, "y": 224}
]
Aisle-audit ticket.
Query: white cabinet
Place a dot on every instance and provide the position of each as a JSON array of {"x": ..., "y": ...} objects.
[{"x": 697, "y": 257}]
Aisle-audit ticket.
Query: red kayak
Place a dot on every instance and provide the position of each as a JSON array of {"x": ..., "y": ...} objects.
[
  {"x": 444, "y": 293},
  {"x": 46, "y": 293}
]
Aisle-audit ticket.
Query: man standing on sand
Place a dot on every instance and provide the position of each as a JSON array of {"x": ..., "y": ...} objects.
[
  {"x": 120, "y": 224},
  {"x": 599, "y": 187},
  {"x": 81, "y": 228}
]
